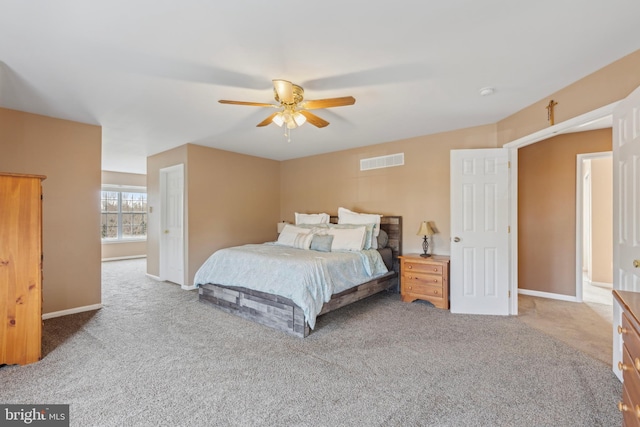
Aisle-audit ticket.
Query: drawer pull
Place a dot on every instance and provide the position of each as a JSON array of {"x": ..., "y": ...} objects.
[
  {"x": 636, "y": 363},
  {"x": 623, "y": 407},
  {"x": 435, "y": 269},
  {"x": 624, "y": 367},
  {"x": 410, "y": 266},
  {"x": 622, "y": 330}
]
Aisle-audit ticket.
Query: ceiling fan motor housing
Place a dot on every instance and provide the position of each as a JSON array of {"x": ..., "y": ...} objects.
[{"x": 298, "y": 95}]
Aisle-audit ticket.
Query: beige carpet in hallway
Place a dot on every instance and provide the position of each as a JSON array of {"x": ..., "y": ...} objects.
[{"x": 585, "y": 326}]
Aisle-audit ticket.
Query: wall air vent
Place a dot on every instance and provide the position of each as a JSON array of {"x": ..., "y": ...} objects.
[{"x": 382, "y": 162}]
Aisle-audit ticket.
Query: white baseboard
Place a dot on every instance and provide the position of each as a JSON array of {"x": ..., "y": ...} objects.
[
  {"x": 123, "y": 257},
  {"x": 602, "y": 285},
  {"x": 549, "y": 295},
  {"x": 158, "y": 279},
  {"x": 71, "y": 311}
]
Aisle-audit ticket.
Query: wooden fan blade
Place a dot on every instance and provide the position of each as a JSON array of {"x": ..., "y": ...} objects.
[
  {"x": 266, "y": 121},
  {"x": 284, "y": 89},
  {"x": 313, "y": 119},
  {"x": 329, "y": 102},
  {"x": 253, "y": 104}
]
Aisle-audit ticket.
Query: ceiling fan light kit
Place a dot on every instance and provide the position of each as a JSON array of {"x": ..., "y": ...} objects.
[{"x": 294, "y": 112}]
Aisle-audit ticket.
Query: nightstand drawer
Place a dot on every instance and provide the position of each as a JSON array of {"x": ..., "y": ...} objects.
[
  {"x": 423, "y": 268},
  {"x": 423, "y": 290},
  {"x": 422, "y": 279}
]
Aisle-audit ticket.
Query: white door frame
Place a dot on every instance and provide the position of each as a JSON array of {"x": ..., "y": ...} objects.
[
  {"x": 580, "y": 158},
  {"x": 513, "y": 146}
]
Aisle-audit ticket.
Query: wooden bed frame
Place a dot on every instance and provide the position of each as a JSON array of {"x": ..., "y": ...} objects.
[{"x": 281, "y": 313}]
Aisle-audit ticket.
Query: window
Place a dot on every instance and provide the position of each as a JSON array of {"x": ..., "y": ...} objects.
[{"x": 123, "y": 215}]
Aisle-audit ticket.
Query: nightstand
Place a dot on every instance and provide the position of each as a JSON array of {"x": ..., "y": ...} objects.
[{"x": 425, "y": 278}]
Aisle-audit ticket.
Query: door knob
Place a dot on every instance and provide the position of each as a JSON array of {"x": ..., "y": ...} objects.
[
  {"x": 456, "y": 239},
  {"x": 636, "y": 263}
]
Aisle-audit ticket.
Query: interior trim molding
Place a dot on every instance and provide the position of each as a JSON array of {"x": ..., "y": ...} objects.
[
  {"x": 189, "y": 288},
  {"x": 567, "y": 126},
  {"x": 151, "y": 276},
  {"x": 71, "y": 311},
  {"x": 580, "y": 206},
  {"x": 549, "y": 295},
  {"x": 513, "y": 146},
  {"x": 119, "y": 258}
]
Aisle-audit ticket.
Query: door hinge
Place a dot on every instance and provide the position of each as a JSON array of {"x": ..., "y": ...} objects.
[
  {"x": 508, "y": 229},
  {"x": 509, "y": 164},
  {"x": 509, "y": 294}
]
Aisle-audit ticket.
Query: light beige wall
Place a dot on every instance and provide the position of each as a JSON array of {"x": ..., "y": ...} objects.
[
  {"x": 547, "y": 210},
  {"x": 115, "y": 250},
  {"x": 602, "y": 219},
  {"x": 417, "y": 191},
  {"x": 165, "y": 159},
  {"x": 234, "y": 199},
  {"x": 121, "y": 178},
  {"x": 120, "y": 250},
  {"x": 69, "y": 154},
  {"x": 609, "y": 84},
  {"x": 230, "y": 199}
]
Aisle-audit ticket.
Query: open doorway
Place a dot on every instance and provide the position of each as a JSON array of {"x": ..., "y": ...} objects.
[
  {"x": 547, "y": 238},
  {"x": 594, "y": 228}
]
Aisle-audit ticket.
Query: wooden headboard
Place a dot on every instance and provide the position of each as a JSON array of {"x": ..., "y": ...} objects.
[{"x": 393, "y": 226}]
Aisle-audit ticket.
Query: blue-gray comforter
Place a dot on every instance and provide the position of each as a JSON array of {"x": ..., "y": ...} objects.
[{"x": 306, "y": 277}]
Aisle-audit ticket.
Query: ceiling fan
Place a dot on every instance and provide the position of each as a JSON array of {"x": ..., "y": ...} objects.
[{"x": 294, "y": 111}]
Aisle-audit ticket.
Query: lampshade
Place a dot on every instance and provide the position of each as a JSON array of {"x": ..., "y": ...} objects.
[
  {"x": 278, "y": 119},
  {"x": 425, "y": 229},
  {"x": 299, "y": 118}
]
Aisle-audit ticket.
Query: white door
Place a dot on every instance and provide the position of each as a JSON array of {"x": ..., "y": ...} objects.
[
  {"x": 479, "y": 282},
  {"x": 172, "y": 258},
  {"x": 626, "y": 207}
]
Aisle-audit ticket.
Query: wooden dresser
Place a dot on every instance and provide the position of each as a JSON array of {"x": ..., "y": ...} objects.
[
  {"x": 425, "y": 278},
  {"x": 630, "y": 363},
  {"x": 20, "y": 268}
]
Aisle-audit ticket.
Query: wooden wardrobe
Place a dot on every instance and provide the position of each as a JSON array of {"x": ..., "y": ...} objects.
[{"x": 20, "y": 268}]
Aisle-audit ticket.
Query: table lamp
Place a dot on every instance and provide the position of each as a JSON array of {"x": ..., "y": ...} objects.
[{"x": 426, "y": 231}]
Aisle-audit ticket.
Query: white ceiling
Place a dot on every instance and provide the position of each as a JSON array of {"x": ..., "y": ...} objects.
[{"x": 150, "y": 72}]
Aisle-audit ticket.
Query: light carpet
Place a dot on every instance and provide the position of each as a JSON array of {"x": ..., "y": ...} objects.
[{"x": 154, "y": 355}]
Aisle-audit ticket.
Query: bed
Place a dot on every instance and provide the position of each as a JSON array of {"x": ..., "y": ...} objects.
[{"x": 280, "y": 312}]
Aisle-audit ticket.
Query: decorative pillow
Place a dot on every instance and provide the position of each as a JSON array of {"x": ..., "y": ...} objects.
[
  {"x": 321, "y": 243},
  {"x": 321, "y": 218},
  {"x": 316, "y": 228},
  {"x": 368, "y": 238},
  {"x": 295, "y": 237},
  {"x": 345, "y": 216},
  {"x": 383, "y": 239},
  {"x": 347, "y": 239}
]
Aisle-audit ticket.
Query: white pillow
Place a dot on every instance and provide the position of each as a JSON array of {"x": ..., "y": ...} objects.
[
  {"x": 345, "y": 216},
  {"x": 321, "y": 218},
  {"x": 347, "y": 239},
  {"x": 368, "y": 236},
  {"x": 295, "y": 237}
]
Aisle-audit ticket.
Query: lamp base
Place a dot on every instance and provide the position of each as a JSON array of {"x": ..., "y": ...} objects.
[{"x": 425, "y": 255}]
